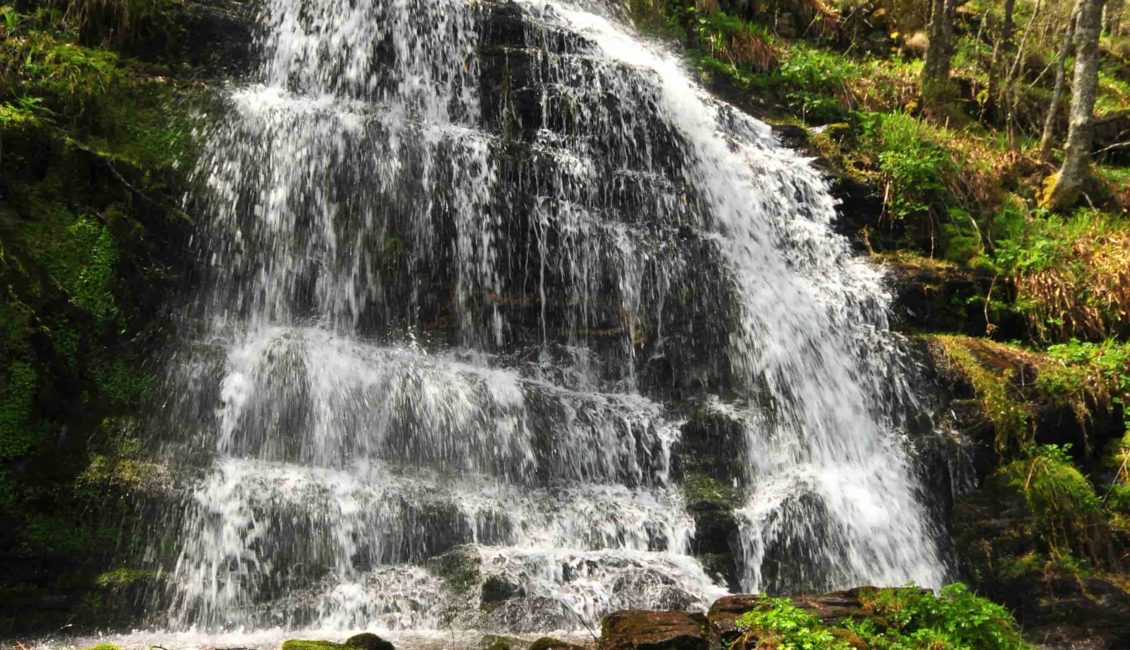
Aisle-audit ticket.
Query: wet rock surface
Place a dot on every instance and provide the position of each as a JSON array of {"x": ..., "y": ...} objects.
[{"x": 644, "y": 630}]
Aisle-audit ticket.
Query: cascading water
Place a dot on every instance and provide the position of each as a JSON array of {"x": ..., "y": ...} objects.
[{"x": 465, "y": 264}]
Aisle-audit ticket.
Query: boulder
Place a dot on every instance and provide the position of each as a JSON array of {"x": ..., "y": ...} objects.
[
  {"x": 643, "y": 630},
  {"x": 725, "y": 612},
  {"x": 368, "y": 641},
  {"x": 551, "y": 643}
]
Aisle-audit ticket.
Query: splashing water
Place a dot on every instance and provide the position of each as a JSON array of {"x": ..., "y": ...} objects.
[{"x": 463, "y": 261}]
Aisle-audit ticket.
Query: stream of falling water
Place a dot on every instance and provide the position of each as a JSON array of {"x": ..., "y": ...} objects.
[{"x": 446, "y": 246}]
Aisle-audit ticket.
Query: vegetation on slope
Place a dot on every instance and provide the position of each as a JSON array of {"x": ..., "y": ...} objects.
[
  {"x": 1028, "y": 308},
  {"x": 90, "y": 140},
  {"x": 890, "y": 619}
]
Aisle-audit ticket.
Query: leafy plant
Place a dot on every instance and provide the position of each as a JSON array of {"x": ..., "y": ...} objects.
[
  {"x": 956, "y": 618},
  {"x": 778, "y": 623}
]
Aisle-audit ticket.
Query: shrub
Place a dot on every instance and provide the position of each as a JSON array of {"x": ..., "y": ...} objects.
[
  {"x": 956, "y": 618},
  {"x": 777, "y": 623}
]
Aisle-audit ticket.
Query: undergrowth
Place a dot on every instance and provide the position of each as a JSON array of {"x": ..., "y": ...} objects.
[{"x": 902, "y": 618}]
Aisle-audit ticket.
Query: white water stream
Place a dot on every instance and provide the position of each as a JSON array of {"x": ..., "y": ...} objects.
[{"x": 425, "y": 378}]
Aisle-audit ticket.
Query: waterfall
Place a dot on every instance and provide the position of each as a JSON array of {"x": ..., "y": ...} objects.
[{"x": 463, "y": 267}]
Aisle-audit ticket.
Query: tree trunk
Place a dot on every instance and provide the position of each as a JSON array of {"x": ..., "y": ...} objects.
[
  {"x": 1112, "y": 17},
  {"x": 939, "y": 52},
  {"x": 1011, "y": 93},
  {"x": 1000, "y": 53},
  {"x": 1064, "y": 187},
  {"x": 1047, "y": 138}
]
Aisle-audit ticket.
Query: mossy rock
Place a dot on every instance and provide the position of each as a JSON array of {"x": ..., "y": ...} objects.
[
  {"x": 304, "y": 644},
  {"x": 1035, "y": 537},
  {"x": 460, "y": 568},
  {"x": 497, "y": 642}
]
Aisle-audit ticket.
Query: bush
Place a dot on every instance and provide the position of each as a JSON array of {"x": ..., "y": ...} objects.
[
  {"x": 957, "y": 618},
  {"x": 777, "y": 623}
]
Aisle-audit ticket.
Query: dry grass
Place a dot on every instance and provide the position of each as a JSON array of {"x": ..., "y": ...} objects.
[{"x": 1085, "y": 296}]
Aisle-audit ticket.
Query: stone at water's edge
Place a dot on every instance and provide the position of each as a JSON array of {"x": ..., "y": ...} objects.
[
  {"x": 368, "y": 641},
  {"x": 644, "y": 630},
  {"x": 364, "y": 641}
]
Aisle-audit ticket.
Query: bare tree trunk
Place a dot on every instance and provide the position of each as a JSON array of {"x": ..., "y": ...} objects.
[
  {"x": 1064, "y": 187},
  {"x": 939, "y": 52},
  {"x": 1112, "y": 17},
  {"x": 1000, "y": 52},
  {"x": 1047, "y": 138}
]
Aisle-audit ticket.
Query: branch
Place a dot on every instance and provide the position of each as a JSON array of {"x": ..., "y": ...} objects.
[{"x": 1117, "y": 145}]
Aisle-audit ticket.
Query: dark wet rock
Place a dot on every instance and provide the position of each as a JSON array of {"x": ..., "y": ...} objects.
[
  {"x": 500, "y": 642},
  {"x": 500, "y": 588},
  {"x": 663, "y": 593},
  {"x": 460, "y": 568},
  {"x": 368, "y": 641},
  {"x": 551, "y": 643},
  {"x": 643, "y": 630},
  {"x": 998, "y": 539},
  {"x": 708, "y": 461},
  {"x": 530, "y": 615},
  {"x": 713, "y": 443},
  {"x": 935, "y": 295},
  {"x": 724, "y": 613}
]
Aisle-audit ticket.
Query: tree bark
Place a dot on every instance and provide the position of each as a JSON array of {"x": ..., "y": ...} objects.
[
  {"x": 1047, "y": 138},
  {"x": 1000, "y": 52},
  {"x": 1065, "y": 186},
  {"x": 1112, "y": 17},
  {"x": 939, "y": 51}
]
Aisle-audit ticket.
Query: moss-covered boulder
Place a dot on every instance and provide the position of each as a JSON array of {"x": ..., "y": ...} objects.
[
  {"x": 363, "y": 641},
  {"x": 1035, "y": 536}
]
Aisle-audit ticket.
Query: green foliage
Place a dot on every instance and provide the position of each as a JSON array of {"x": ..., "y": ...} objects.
[
  {"x": 778, "y": 623},
  {"x": 905, "y": 618},
  {"x": 956, "y": 619},
  {"x": 815, "y": 81},
  {"x": 1069, "y": 270},
  {"x": 912, "y": 164},
  {"x": 1087, "y": 376}
]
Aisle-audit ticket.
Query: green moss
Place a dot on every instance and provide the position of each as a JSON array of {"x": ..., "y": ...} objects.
[
  {"x": 18, "y": 429},
  {"x": 124, "y": 577},
  {"x": 702, "y": 489},
  {"x": 54, "y": 535},
  {"x": 993, "y": 386},
  {"x": 297, "y": 644},
  {"x": 1087, "y": 376},
  {"x": 1066, "y": 515}
]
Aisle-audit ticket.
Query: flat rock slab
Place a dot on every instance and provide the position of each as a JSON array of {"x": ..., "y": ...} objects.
[{"x": 643, "y": 630}]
